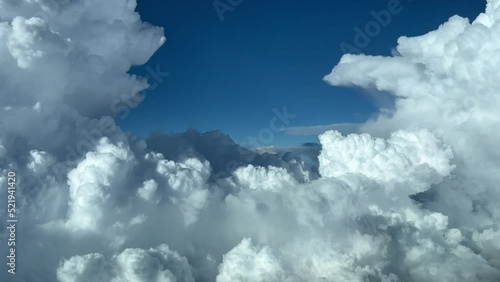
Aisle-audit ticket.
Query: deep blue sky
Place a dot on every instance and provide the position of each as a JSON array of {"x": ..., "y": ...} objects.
[{"x": 230, "y": 74}]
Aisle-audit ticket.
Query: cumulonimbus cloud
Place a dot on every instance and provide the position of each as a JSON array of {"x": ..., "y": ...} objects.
[{"x": 413, "y": 198}]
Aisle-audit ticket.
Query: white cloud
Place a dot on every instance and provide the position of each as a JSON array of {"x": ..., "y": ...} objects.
[
  {"x": 158, "y": 264},
  {"x": 91, "y": 181},
  {"x": 84, "y": 268},
  {"x": 260, "y": 178},
  {"x": 446, "y": 82},
  {"x": 186, "y": 182},
  {"x": 246, "y": 262},
  {"x": 415, "y": 159},
  {"x": 148, "y": 190}
]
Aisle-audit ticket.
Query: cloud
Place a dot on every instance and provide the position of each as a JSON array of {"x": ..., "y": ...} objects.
[
  {"x": 90, "y": 181},
  {"x": 411, "y": 197},
  {"x": 413, "y": 158},
  {"x": 248, "y": 263},
  {"x": 224, "y": 155},
  {"x": 158, "y": 264}
]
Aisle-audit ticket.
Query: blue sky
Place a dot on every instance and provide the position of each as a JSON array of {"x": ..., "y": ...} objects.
[{"x": 230, "y": 74}]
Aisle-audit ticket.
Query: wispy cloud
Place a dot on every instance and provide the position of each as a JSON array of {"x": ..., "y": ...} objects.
[{"x": 316, "y": 130}]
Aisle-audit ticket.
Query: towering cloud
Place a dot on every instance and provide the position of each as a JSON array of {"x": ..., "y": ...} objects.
[
  {"x": 413, "y": 198},
  {"x": 445, "y": 81},
  {"x": 225, "y": 156}
]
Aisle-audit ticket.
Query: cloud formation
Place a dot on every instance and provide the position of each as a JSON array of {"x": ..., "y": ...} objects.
[
  {"x": 158, "y": 264},
  {"x": 344, "y": 128},
  {"x": 225, "y": 156},
  {"x": 413, "y": 198}
]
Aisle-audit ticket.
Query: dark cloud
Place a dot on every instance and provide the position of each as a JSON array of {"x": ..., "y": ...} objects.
[{"x": 225, "y": 156}]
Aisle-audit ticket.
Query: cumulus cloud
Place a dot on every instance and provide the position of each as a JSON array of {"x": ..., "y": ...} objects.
[
  {"x": 446, "y": 84},
  {"x": 412, "y": 158},
  {"x": 158, "y": 264},
  {"x": 316, "y": 130},
  {"x": 412, "y": 198},
  {"x": 90, "y": 181},
  {"x": 248, "y": 263},
  {"x": 225, "y": 156}
]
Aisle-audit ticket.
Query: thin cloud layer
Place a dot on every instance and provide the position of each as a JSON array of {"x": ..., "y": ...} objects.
[{"x": 411, "y": 199}]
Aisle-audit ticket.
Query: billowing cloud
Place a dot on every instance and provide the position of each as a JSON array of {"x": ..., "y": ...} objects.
[
  {"x": 444, "y": 81},
  {"x": 248, "y": 263},
  {"x": 412, "y": 198},
  {"x": 225, "y": 156},
  {"x": 412, "y": 158}
]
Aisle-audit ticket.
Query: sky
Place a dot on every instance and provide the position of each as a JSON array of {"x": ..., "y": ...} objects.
[{"x": 229, "y": 74}]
